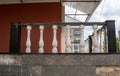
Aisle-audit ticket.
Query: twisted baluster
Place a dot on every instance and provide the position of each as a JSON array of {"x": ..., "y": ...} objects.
[
  {"x": 28, "y": 42},
  {"x": 54, "y": 43},
  {"x": 41, "y": 41}
]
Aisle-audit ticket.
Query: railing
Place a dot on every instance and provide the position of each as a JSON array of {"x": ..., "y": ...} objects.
[
  {"x": 101, "y": 41},
  {"x": 97, "y": 42}
]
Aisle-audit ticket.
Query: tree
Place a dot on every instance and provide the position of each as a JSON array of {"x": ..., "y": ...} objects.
[{"x": 117, "y": 45}]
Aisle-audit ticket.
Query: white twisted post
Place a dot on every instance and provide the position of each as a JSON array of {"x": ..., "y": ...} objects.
[
  {"x": 103, "y": 41},
  {"x": 41, "y": 41},
  {"x": 82, "y": 50},
  {"x": 28, "y": 42},
  {"x": 54, "y": 43},
  {"x": 68, "y": 40},
  {"x": 95, "y": 39},
  {"x": 73, "y": 48},
  {"x": 99, "y": 42},
  {"x": 106, "y": 39}
]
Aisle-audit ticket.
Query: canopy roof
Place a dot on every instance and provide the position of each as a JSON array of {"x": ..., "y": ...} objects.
[
  {"x": 75, "y": 10},
  {"x": 83, "y": 9}
]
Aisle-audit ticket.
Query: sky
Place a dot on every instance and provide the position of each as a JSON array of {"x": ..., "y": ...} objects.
[{"x": 108, "y": 10}]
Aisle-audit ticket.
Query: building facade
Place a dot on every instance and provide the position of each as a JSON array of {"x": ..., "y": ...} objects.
[
  {"x": 31, "y": 11},
  {"x": 75, "y": 39}
]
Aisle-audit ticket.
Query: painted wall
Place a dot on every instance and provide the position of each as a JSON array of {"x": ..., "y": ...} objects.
[{"x": 24, "y": 13}]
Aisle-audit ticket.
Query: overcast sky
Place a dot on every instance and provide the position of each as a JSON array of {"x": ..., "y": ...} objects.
[{"x": 108, "y": 10}]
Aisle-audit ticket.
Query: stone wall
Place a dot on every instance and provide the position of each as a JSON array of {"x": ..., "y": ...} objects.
[
  {"x": 108, "y": 71},
  {"x": 60, "y": 65}
]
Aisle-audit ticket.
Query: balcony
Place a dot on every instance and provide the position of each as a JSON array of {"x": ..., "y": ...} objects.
[{"x": 101, "y": 41}]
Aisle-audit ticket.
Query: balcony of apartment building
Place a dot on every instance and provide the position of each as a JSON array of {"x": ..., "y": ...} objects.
[
  {"x": 33, "y": 27},
  {"x": 48, "y": 38}
]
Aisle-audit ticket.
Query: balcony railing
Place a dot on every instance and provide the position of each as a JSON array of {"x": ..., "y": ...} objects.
[{"x": 101, "y": 41}]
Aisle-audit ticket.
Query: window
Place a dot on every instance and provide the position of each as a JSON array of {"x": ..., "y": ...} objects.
[
  {"x": 77, "y": 37},
  {"x": 76, "y": 48},
  {"x": 77, "y": 32}
]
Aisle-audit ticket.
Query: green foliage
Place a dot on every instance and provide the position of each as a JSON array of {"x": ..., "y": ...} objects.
[{"x": 117, "y": 45}]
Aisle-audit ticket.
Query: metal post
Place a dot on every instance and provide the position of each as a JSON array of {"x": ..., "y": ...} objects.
[
  {"x": 111, "y": 36},
  {"x": 90, "y": 44},
  {"x": 15, "y": 38}
]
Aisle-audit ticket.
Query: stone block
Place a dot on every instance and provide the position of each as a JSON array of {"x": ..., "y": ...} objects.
[
  {"x": 6, "y": 74},
  {"x": 71, "y": 59},
  {"x": 9, "y": 59},
  {"x": 15, "y": 68},
  {"x": 25, "y": 69},
  {"x": 63, "y": 71},
  {"x": 26, "y": 74},
  {"x": 108, "y": 71},
  {"x": 9, "y": 74},
  {"x": 4, "y": 68}
]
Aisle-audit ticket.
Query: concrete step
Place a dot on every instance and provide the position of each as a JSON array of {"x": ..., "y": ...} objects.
[
  {"x": 14, "y": 70},
  {"x": 13, "y": 74}
]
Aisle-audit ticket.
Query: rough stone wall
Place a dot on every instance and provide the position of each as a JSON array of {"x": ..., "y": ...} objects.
[
  {"x": 108, "y": 71},
  {"x": 60, "y": 65}
]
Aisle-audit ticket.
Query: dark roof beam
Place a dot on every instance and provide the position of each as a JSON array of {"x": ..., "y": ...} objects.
[
  {"x": 78, "y": 1},
  {"x": 21, "y": 1},
  {"x": 73, "y": 18},
  {"x": 78, "y": 14}
]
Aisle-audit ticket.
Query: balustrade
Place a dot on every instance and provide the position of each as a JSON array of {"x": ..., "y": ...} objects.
[
  {"x": 82, "y": 39},
  {"x": 28, "y": 42},
  {"x": 68, "y": 40},
  {"x": 41, "y": 41},
  {"x": 98, "y": 42},
  {"x": 102, "y": 41},
  {"x": 95, "y": 44},
  {"x": 106, "y": 39},
  {"x": 54, "y": 43}
]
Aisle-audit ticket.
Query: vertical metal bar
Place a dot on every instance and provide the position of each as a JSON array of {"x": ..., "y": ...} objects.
[
  {"x": 111, "y": 36},
  {"x": 15, "y": 38},
  {"x": 90, "y": 44}
]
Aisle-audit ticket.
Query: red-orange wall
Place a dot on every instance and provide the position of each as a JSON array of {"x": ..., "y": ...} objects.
[{"x": 32, "y": 12}]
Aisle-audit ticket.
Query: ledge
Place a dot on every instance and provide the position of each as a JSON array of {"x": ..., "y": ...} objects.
[{"x": 61, "y": 59}]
